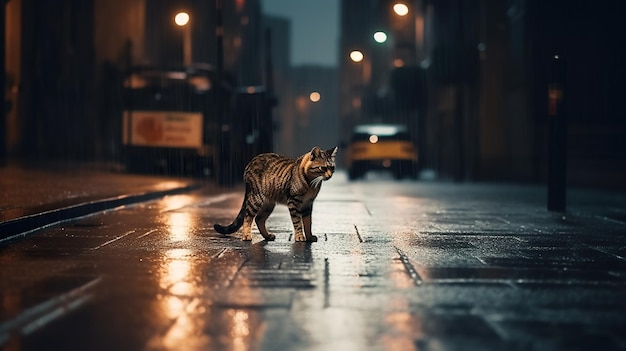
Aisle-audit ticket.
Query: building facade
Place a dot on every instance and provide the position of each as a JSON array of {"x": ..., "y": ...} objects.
[
  {"x": 65, "y": 59},
  {"x": 471, "y": 80}
]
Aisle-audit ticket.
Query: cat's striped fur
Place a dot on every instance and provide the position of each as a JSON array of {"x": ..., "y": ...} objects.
[{"x": 270, "y": 179}]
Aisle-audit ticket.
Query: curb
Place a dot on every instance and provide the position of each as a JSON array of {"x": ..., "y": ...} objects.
[{"x": 20, "y": 227}]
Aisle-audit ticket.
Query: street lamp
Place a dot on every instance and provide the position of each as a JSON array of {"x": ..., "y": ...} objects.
[
  {"x": 356, "y": 56},
  {"x": 314, "y": 96},
  {"x": 380, "y": 37},
  {"x": 400, "y": 9},
  {"x": 182, "y": 20}
]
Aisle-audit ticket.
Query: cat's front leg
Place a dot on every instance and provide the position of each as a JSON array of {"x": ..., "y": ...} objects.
[
  {"x": 296, "y": 219},
  {"x": 298, "y": 232},
  {"x": 299, "y": 237},
  {"x": 306, "y": 220}
]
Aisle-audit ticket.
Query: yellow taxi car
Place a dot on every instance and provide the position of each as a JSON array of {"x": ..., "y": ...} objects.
[{"x": 381, "y": 147}]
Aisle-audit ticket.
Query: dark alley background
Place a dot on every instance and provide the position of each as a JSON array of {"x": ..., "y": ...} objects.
[
  {"x": 126, "y": 126},
  {"x": 477, "y": 82}
]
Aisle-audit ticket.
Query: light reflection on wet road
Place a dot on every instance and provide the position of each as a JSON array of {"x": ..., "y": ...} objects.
[{"x": 395, "y": 269}]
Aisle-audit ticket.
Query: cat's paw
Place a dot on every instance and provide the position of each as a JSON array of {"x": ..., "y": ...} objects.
[
  {"x": 312, "y": 239},
  {"x": 246, "y": 237},
  {"x": 299, "y": 237},
  {"x": 270, "y": 237}
]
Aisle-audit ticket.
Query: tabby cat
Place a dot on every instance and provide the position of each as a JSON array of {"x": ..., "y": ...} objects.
[{"x": 271, "y": 178}]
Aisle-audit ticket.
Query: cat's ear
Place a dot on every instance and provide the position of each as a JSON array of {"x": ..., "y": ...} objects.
[
  {"x": 315, "y": 152},
  {"x": 332, "y": 152}
]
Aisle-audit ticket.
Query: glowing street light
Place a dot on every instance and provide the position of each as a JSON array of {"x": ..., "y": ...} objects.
[
  {"x": 380, "y": 37},
  {"x": 365, "y": 65},
  {"x": 356, "y": 56},
  {"x": 400, "y": 9},
  {"x": 314, "y": 96},
  {"x": 182, "y": 20}
]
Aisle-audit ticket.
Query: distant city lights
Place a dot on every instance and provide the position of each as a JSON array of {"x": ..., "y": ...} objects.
[
  {"x": 315, "y": 96},
  {"x": 400, "y": 9},
  {"x": 182, "y": 18},
  {"x": 380, "y": 37},
  {"x": 356, "y": 56}
]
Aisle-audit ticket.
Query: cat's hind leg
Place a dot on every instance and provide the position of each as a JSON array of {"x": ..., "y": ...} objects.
[
  {"x": 251, "y": 211},
  {"x": 246, "y": 234},
  {"x": 261, "y": 217}
]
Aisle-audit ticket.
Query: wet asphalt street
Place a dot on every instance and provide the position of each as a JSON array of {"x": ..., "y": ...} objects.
[{"x": 399, "y": 266}]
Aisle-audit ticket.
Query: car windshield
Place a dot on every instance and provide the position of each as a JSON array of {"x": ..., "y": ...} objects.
[{"x": 382, "y": 133}]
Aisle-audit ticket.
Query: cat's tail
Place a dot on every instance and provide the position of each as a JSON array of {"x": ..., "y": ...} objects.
[
  {"x": 233, "y": 227},
  {"x": 237, "y": 222}
]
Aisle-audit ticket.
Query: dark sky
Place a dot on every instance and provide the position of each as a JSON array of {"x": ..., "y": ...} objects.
[{"x": 315, "y": 29}]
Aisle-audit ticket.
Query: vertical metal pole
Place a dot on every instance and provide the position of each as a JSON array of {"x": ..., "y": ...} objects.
[
  {"x": 3, "y": 112},
  {"x": 459, "y": 131},
  {"x": 224, "y": 164},
  {"x": 269, "y": 99},
  {"x": 187, "y": 44},
  {"x": 557, "y": 136},
  {"x": 219, "y": 35},
  {"x": 459, "y": 104},
  {"x": 128, "y": 100},
  {"x": 269, "y": 66}
]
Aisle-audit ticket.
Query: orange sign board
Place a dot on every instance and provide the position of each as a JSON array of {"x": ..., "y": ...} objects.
[{"x": 162, "y": 129}]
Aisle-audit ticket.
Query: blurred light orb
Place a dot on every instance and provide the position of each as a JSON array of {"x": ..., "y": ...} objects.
[
  {"x": 400, "y": 9},
  {"x": 301, "y": 103},
  {"x": 380, "y": 37},
  {"x": 315, "y": 96},
  {"x": 373, "y": 138},
  {"x": 181, "y": 18},
  {"x": 397, "y": 63},
  {"x": 356, "y": 56}
]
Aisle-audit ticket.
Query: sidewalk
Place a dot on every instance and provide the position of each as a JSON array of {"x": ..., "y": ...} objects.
[
  {"x": 398, "y": 266},
  {"x": 470, "y": 266},
  {"x": 33, "y": 197}
]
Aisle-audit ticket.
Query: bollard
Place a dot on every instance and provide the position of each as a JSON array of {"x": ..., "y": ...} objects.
[{"x": 557, "y": 136}]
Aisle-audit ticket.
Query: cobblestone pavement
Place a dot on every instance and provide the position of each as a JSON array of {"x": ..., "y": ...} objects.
[{"x": 399, "y": 266}]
